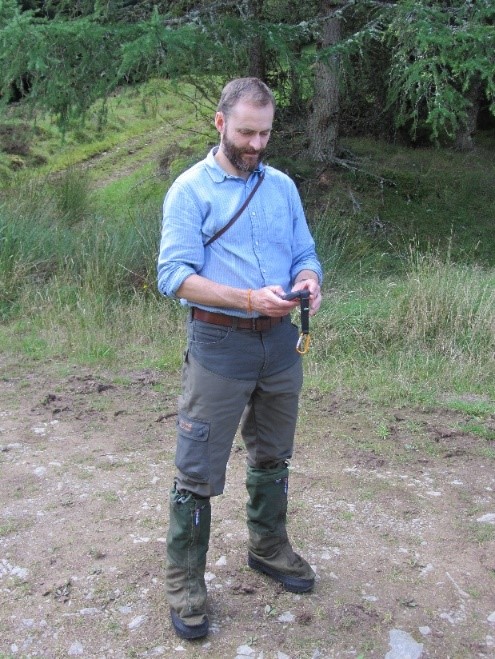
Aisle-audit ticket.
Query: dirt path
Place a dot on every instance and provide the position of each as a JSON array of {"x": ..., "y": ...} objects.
[
  {"x": 394, "y": 508},
  {"x": 154, "y": 145}
]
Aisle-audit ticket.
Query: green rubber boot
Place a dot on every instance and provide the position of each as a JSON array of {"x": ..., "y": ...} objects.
[
  {"x": 187, "y": 545},
  {"x": 269, "y": 549}
]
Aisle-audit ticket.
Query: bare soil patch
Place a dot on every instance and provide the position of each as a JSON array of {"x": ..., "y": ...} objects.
[{"x": 394, "y": 508}]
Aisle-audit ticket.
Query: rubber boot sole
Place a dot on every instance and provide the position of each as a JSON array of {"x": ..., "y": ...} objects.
[
  {"x": 290, "y": 583},
  {"x": 188, "y": 632}
]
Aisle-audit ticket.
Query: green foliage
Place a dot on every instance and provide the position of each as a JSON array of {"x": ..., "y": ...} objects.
[
  {"x": 63, "y": 66},
  {"x": 425, "y": 59},
  {"x": 417, "y": 64},
  {"x": 439, "y": 52},
  {"x": 414, "y": 336}
]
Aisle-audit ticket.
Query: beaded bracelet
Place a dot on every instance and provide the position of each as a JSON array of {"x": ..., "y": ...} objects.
[{"x": 249, "y": 307}]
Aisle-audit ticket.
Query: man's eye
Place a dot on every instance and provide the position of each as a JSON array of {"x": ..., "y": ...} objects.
[{"x": 246, "y": 133}]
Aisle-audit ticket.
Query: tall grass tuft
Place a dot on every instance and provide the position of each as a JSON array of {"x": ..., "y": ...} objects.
[
  {"x": 446, "y": 307},
  {"x": 84, "y": 289},
  {"x": 73, "y": 196},
  {"x": 43, "y": 238},
  {"x": 430, "y": 328}
]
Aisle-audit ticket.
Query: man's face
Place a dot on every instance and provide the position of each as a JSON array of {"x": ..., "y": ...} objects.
[{"x": 245, "y": 134}]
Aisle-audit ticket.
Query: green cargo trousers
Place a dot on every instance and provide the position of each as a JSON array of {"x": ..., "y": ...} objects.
[{"x": 231, "y": 377}]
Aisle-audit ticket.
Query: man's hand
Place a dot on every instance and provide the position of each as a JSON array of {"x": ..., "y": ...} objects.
[
  {"x": 267, "y": 301},
  {"x": 314, "y": 293}
]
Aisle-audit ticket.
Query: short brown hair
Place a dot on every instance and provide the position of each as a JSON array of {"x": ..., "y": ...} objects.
[{"x": 253, "y": 90}]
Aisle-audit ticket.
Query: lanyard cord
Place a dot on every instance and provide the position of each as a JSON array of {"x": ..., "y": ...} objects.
[{"x": 302, "y": 346}]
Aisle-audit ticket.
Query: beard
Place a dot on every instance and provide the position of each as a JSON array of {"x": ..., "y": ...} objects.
[{"x": 235, "y": 156}]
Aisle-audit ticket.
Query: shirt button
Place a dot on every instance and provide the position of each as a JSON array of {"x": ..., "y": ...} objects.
[{"x": 253, "y": 213}]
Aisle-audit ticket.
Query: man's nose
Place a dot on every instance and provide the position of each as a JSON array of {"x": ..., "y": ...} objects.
[{"x": 256, "y": 142}]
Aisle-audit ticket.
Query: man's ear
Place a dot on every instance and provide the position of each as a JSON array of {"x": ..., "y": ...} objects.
[{"x": 220, "y": 122}]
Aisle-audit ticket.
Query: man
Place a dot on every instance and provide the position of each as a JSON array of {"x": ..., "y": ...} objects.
[{"x": 241, "y": 365}]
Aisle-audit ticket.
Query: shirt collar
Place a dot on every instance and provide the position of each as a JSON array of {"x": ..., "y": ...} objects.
[{"x": 217, "y": 174}]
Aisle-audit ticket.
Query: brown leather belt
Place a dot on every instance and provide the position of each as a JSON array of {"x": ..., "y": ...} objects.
[{"x": 260, "y": 324}]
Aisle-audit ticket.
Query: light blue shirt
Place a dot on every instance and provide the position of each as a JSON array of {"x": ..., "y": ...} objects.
[{"x": 269, "y": 244}]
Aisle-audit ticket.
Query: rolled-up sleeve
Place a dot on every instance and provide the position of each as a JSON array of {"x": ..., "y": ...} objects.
[{"x": 179, "y": 257}]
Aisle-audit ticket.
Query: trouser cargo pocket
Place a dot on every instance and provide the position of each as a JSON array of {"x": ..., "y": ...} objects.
[{"x": 192, "y": 455}]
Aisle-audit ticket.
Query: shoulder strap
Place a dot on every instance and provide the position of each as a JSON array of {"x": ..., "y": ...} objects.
[{"x": 239, "y": 212}]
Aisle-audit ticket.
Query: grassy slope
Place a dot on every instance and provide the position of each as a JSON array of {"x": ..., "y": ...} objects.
[
  {"x": 395, "y": 195},
  {"x": 386, "y": 231}
]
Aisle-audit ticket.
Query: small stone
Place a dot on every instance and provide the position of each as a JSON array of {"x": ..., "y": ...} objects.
[
  {"x": 75, "y": 649},
  {"x": 136, "y": 622},
  {"x": 403, "y": 645},
  {"x": 286, "y": 617},
  {"x": 487, "y": 519},
  {"x": 125, "y": 609}
]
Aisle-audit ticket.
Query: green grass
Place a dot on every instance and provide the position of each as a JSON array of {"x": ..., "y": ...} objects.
[
  {"x": 130, "y": 113},
  {"x": 408, "y": 313},
  {"x": 8, "y": 528},
  {"x": 426, "y": 331},
  {"x": 437, "y": 198}
]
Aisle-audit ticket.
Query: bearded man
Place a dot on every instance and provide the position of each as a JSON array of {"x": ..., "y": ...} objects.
[{"x": 240, "y": 365}]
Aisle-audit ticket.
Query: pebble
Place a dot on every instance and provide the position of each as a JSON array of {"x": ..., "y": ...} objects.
[
  {"x": 136, "y": 622},
  {"x": 286, "y": 617},
  {"x": 75, "y": 649},
  {"x": 6, "y": 569},
  {"x": 487, "y": 519},
  {"x": 403, "y": 646}
]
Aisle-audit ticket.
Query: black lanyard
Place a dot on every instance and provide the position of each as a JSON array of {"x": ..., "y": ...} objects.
[
  {"x": 302, "y": 346},
  {"x": 261, "y": 176}
]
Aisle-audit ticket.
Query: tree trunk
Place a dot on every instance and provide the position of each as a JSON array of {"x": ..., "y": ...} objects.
[
  {"x": 323, "y": 124},
  {"x": 464, "y": 137},
  {"x": 256, "y": 50}
]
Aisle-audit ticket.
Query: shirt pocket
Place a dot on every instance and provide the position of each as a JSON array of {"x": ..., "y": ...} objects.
[{"x": 277, "y": 225}]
